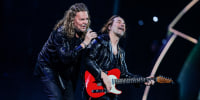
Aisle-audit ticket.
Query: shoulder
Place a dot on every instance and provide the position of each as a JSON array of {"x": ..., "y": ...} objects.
[
  {"x": 104, "y": 37},
  {"x": 97, "y": 43},
  {"x": 59, "y": 33},
  {"x": 101, "y": 40}
]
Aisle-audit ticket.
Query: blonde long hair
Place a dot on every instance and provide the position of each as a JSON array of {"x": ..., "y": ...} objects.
[{"x": 67, "y": 21}]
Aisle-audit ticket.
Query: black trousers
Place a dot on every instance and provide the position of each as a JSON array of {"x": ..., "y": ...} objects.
[{"x": 54, "y": 90}]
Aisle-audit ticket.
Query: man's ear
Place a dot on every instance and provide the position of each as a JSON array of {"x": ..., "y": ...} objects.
[{"x": 109, "y": 27}]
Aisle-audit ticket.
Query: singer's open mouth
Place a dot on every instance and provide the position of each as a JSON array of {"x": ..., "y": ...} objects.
[
  {"x": 84, "y": 26},
  {"x": 121, "y": 28}
]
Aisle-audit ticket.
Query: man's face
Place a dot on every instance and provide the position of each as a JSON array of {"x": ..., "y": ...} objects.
[
  {"x": 118, "y": 27},
  {"x": 81, "y": 21}
]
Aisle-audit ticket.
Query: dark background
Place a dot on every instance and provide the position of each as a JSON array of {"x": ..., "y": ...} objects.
[{"x": 26, "y": 25}]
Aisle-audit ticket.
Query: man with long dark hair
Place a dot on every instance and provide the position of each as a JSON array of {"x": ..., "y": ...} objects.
[
  {"x": 58, "y": 62},
  {"x": 104, "y": 57}
]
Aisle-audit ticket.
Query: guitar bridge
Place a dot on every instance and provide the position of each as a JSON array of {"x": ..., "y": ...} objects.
[{"x": 98, "y": 91}]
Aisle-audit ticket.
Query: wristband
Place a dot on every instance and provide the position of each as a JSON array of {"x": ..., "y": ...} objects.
[{"x": 84, "y": 44}]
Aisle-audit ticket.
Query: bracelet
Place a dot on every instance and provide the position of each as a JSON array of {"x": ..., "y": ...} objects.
[{"x": 84, "y": 44}]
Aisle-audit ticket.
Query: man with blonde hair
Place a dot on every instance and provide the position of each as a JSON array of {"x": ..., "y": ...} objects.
[{"x": 58, "y": 62}]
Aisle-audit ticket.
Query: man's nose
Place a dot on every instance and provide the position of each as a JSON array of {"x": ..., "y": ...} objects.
[{"x": 122, "y": 24}]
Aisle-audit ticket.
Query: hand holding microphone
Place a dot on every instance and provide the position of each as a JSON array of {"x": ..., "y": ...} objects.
[{"x": 88, "y": 37}]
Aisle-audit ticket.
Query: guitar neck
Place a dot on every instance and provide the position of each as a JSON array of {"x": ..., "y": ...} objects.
[{"x": 132, "y": 80}]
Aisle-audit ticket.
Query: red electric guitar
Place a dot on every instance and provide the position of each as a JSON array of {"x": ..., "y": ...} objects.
[{"x": 97, "y": 89}]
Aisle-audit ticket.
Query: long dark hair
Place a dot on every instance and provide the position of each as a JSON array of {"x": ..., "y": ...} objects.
[{"x": 105, "y": 28}]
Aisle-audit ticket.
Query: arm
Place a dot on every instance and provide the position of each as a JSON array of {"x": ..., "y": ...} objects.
[
  {"x": 90, "y": 60},
  {"x": 124, "y": 71},
  {"x": 126, "y": 74},
  {"x": 68, "y": 53},
  {"x": 94, "y": 68}
]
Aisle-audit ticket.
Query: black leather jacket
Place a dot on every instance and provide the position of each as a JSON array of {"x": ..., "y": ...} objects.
[
  {"x": 59, "y": 55},
  {"x": 99, "y": 58}
]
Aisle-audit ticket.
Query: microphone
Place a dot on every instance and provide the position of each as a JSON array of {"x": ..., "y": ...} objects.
[{"x": 89, "y": 29}]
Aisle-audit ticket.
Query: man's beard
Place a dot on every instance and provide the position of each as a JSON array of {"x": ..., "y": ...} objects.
[{"x": 119, "y": 35}]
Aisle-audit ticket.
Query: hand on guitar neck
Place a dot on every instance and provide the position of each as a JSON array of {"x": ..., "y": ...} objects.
[{"x": 149, "y": 82}]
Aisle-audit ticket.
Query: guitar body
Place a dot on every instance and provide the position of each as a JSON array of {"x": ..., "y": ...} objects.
[{"x": 97, "y": 90}]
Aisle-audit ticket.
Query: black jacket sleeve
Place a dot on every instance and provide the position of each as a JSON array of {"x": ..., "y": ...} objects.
[
  {"x": 124, "y": 71},
  {"x": 66, "y": 53},
  {"x": 90, "y": 61}
]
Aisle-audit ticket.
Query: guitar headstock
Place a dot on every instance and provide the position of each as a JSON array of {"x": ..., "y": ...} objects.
[{"x": 161, "y": 79}]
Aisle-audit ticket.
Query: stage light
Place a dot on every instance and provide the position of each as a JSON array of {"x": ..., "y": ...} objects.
[
  {"x": 155, "y": 18},
  {"x": 140, "y": 22}
]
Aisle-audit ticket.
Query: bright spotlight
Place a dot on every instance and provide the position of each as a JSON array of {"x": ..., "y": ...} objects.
[{"x": 155, "y": 18}]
